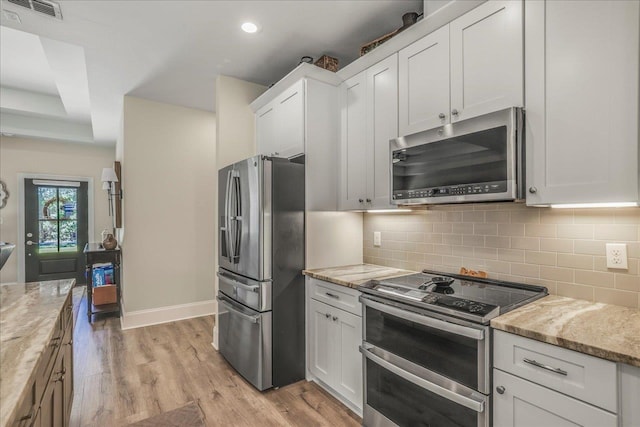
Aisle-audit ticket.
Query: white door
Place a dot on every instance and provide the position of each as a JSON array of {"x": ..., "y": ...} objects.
[
  {"x": 266, "y": 139},
  {"x": 290, "y": 122},
  {"x": 487, "y": 59},
  {"x": 521, "y": 403},
  {"x": 353, "y": 161},
  {"x": 322, "y": 336},
  {"x": 582, "y": 101},
  {"x": 424, "y": 83},
  {"x": 348, "y": 334},
  {"x": 382, "y": 125}
]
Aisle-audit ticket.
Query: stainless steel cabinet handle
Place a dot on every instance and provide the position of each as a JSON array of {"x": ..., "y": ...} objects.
[
  {"x": 441, "y": 116},
  {"x": 332, "y": 295},
  {"x": 455, "y": 112},
  {"x": 543, "y": 366},
  {"x": 500, "y": 389},
  {"x": 533, "y": 190}
]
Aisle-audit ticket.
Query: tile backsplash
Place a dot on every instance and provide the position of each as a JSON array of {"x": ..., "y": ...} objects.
[{"x": 562, "y": 249}]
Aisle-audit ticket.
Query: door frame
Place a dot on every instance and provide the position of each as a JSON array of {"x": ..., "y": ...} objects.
[{"x": 21, "y": 225}]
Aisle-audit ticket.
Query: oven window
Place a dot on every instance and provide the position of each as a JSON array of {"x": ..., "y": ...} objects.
[
  {"x": 468, "y": 159},
  {"x": 406, "y": 404},
  {"x": 453, "y": 356}
]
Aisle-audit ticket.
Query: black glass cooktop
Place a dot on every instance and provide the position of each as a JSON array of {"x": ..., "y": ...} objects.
[{"x": 476, "y": 299}]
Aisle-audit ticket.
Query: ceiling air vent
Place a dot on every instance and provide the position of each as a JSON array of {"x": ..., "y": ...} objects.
[{"x": 41, "y": 6}]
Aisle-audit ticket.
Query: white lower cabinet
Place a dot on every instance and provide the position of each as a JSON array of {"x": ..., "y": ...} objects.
[
  {"x": 333, "y": 339},
  {"x": 526, "y": 404},
  {"x": 539, "y": 384}
]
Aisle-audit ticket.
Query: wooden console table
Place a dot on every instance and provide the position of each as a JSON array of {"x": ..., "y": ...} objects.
[{"x": 95, "y": 253}]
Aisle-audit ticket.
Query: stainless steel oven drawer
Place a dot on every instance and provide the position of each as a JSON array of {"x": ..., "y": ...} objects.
[
  {"x": 399, "y": 392},
  {"x": 249, "y": 292},
  {"x": 245, "y": 341}
]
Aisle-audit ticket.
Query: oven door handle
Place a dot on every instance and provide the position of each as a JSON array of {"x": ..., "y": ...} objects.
[
  {"x": 476, "y": 334},
  {"x": 472, "y": 404}
]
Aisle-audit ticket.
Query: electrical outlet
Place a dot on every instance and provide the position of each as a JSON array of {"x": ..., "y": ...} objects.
[
  {"x": 377, "y": 238},
  {"x": 617, "y": 256}
]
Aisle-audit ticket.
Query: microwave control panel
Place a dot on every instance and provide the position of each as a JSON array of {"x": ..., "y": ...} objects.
[{"x": 452, "y": 190}]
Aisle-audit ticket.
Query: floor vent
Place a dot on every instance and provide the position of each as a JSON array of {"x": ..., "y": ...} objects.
[{"x": 41, "y": 6}]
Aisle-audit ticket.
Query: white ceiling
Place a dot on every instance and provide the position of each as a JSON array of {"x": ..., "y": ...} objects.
[{"x": 171, "y": 51}]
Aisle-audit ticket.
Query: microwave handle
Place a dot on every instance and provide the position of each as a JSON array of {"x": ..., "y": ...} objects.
[
  {"x": 421, "y": 382},
  {"x": 431, "y": 322}
]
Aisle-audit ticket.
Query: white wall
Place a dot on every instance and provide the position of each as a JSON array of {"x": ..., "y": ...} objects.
[
  {"x": 22, "y": 155},
  {"x": 168, "y": 175},
  {"x": 235, "y": 120}
]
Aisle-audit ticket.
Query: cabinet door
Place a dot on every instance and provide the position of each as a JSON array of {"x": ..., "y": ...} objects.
[
  {"x": 348, "y": 336},
  {"x": 266, "y": 140},
  {"x": 290, "y": 120},
  {"x": 525, "y": 404},
  {"x": 52, "y": 404},
  {"x": 487, "y": 59},
  {"x": 382, "y": 125},
  {"x": 67, "y": 383},
  {"x": 582, "y": 101},
  {"x": 321, "y": 348},
  {"x": 424, "y": 83},
  {"x": 353, "y": 161}
]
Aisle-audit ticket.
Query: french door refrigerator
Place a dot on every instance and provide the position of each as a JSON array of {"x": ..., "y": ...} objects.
[{"x": 261, "y": 257}]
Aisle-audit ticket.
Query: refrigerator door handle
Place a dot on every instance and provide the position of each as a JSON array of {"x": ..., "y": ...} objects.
[
  {"x": 231, "y": 307},
  {"x": 250, "y": 288},
  {"x": 227, "y": 216},
  {"x": 237, "y": 218}
]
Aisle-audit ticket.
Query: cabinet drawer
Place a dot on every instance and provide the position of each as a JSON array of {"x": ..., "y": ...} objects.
[
  {"x": 338, "y": 296},
  {"x": 584, "y": 377},
  {"x": 522, "y": 403}
]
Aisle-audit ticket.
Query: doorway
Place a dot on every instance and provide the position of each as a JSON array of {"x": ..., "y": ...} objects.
[{"x": 56, "y": 229}]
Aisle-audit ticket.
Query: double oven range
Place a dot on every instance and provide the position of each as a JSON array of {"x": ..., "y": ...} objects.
[{"x": 427, "y": 347}]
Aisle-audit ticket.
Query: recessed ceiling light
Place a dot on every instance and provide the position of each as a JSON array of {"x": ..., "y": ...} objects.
[{"x": 249, "y": 27}]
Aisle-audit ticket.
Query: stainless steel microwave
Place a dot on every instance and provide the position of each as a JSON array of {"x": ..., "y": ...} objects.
[{"x": 480, "y": 159}]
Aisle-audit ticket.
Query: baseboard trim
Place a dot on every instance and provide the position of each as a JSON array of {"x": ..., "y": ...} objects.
[
  {"x": 215, "y": 338},
  {"x": 156, "y": 316}
]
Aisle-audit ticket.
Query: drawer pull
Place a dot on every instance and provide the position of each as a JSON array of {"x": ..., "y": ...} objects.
[
  {"x": 332, "y": 295},
  {"x": 543, "y": 366}
]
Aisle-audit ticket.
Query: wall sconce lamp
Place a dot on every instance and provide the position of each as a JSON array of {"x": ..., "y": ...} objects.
[{"x": 109, "y": 178}]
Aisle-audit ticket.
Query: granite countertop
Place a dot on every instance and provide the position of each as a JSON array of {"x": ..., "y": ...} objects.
[
  {"x": 603, "y": 330},
  {"x": 28, "y": 313},
  {"x": 353, "y": 276}
]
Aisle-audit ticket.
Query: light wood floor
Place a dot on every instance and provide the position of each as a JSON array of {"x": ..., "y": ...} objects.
[{"x": 126, "y": 376}]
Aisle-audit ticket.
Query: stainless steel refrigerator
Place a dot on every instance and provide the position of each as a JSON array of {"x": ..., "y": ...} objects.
[{"x": 261, "y": 257}]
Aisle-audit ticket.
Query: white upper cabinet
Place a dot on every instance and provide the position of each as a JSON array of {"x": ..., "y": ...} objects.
[
  {"x": 487, "y": 59},
  {"x": 582, "y": 101},
  {"x": 382, "y": 119},
  {"x": 353, "y": 160},
  {"x": 423, "y": 86},
  {"x": 280, "y": 125},
  {"x": 369, "y": 121},
  {"x": 470, "y": 67}
]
